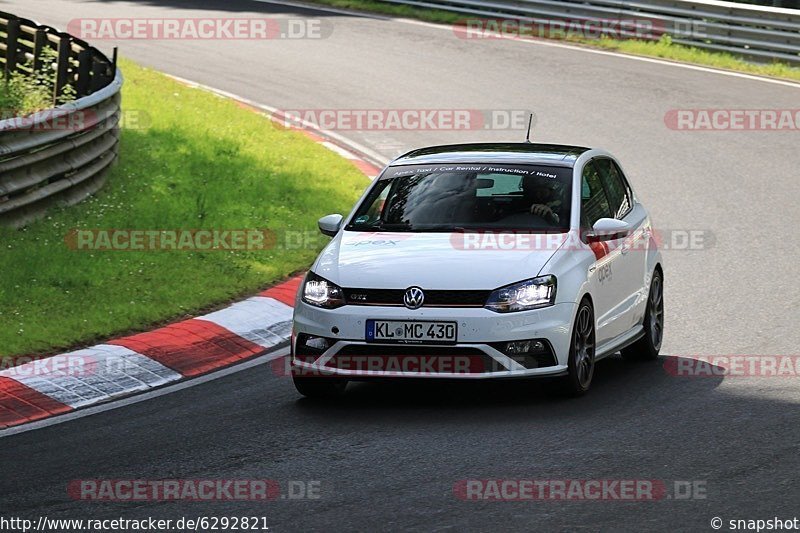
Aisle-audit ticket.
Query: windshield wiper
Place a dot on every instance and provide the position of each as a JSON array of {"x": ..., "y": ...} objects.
[{"x": 383, "y": 226}]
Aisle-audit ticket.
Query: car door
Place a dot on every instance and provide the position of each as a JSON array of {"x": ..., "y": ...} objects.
[
  {"x": 632, "y": 260},
  {"x": 605, "y": 277}
]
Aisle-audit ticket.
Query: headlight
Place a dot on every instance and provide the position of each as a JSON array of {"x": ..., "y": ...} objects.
[
  {"x": 320, "y": 292},
  {"x": 529, "y": 294}
]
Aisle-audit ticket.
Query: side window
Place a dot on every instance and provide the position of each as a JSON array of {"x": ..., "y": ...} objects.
[
  {"x": 373, "y": 213},
  {"x": 628, "y": 192},
  {"x": 619, "y": 197},
  {"x": 594, "y": 202}
]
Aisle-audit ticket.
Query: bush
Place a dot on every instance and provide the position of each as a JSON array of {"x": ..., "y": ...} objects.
[{"x": 23, "y": 93}]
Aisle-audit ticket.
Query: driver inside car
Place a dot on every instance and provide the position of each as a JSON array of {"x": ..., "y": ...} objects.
[{"x": 545, "y": 201}]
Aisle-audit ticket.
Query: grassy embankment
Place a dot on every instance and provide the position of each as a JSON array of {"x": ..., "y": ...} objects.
[{"x": 189, "y": 160}]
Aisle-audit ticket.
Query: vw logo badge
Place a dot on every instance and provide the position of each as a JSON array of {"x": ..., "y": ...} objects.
[{"x": 414, "y": 298}]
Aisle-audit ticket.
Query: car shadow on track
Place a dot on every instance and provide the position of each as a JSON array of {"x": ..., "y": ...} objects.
[{"x": 615, "y": 381}]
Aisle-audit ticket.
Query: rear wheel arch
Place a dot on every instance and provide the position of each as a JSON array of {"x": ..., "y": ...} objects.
[{"x": 648, "y": 346}]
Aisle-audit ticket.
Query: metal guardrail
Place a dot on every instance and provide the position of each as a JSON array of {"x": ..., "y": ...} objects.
[
  {"x": 58, "y": 156},
  {"x": 756, "y": 32}
]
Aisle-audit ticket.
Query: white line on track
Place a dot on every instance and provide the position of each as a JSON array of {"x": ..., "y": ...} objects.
[
  {"x": 541, "y": 43},
  {"x": 103, "y": 407},
  {"x": 367, "y": 153}
]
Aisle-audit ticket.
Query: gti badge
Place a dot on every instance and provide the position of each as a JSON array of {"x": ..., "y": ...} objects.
[{"x": 414, "y": 298}]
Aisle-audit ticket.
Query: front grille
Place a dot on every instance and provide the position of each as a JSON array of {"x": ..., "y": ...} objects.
[
  {"x": 414, "y": 358},
  {"x": 433, "y": 298}
]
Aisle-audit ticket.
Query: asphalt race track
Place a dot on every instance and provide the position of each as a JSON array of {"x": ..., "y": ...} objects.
[{"x": 388, "y": 456}]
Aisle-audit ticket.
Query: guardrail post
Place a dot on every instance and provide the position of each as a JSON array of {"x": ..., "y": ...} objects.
[
  {"x": 12, "y": 38},
  {"x": 39, "y": 40},
  {"x": 62, "y": 66},
  {"x": 84, "y": 73},
  {"x": 99, "y": 78}
]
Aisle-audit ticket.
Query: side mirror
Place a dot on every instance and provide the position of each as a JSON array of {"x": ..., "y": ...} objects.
[
  {"x": 608, "y": 229},
  {"x": 329, "y": 225}
]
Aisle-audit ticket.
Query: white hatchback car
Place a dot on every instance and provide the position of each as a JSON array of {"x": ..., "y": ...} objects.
[{"x": 482, "y": 261}]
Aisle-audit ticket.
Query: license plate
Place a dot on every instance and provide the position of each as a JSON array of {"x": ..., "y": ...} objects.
[{"x": 411, "y": 331}]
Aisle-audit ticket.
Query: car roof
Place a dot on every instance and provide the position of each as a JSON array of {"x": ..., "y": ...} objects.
[{"x": 513, "y": 153}]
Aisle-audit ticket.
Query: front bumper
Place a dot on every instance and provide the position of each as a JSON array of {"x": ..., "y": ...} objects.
[{"x": 475, "y": 355}]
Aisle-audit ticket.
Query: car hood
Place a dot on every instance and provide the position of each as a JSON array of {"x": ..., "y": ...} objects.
[{"x": 444, "y": 261}]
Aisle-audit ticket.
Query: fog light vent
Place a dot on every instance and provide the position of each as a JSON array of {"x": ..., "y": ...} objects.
[
  {"x": 530, "y": 353},
  {"x": 530, "y": 346},
  {"x": 310, "y": 345}
]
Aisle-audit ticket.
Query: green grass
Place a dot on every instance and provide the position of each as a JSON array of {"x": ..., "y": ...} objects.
[
  {"x": 667, "y": 50},
  {"x": 202, "y": 162},
  {"x": 663, "y": 49}
]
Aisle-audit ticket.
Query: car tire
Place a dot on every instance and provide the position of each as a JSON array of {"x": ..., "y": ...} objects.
[
  {"x": 320, "y": 386},
  {"x": 581, "y": 352},
  {"x": 647, "y": 348}
]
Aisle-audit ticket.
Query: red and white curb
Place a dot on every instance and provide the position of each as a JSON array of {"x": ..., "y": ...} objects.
[
  {"x": 369, "y": 170},
  {"x": 122, "y": 367}
]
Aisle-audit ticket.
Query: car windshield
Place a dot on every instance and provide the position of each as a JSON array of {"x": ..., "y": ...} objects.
[{"x": 451, "y": 197}]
